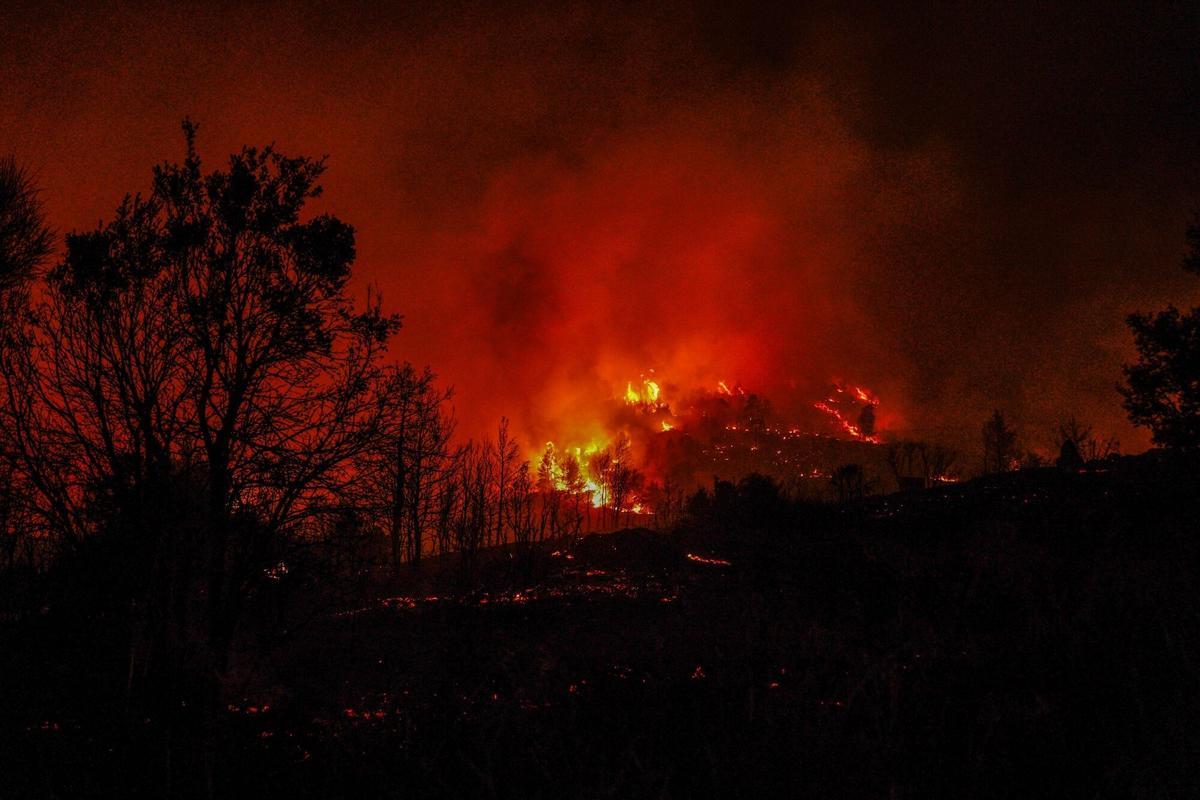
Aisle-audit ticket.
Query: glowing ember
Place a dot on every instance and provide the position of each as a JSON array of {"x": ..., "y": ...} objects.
[
  {"x": 852, "y": 409},
  {"x": 712, "y": 562}
]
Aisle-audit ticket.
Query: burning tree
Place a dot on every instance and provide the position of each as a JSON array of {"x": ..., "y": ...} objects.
[{"x": 661, "y": 442}]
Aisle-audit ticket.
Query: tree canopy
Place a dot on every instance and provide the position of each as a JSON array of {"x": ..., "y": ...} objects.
[
  {"x": 25, "y": 240},
  {"x": 1162, "y": 388}
]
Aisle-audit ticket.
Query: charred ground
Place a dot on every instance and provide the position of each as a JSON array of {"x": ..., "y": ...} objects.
[{"x": 1026, "y": 634}]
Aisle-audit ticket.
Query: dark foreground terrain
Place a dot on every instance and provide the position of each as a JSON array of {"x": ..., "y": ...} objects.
[{"x": 1033, "y": 634}]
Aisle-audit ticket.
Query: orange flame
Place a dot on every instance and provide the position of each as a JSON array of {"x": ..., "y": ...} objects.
[{"x": 582, "y": 469}]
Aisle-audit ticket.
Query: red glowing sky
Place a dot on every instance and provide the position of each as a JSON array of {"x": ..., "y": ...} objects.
[{"x": 957, "y": 209}]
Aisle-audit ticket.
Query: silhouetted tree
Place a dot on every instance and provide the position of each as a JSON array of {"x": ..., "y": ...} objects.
[
  {"x": 999, "y": 444},
  {"x": 901, "y": 458},
  {"x": 25, "y": 243},
  {"x": 849, "y": 482},
  {"x": 1162, "y": 388},
  {"x": 549, "y": 481},
  {"x": 522, "y": 521},
  {"x": 939, "y": 463},
  {"x": 622, "y": 478},
  {"x": 756, "y": 413},
  {"x": 576, "y": 486},
  {"x": 919, "y": 464},
  {"x": 474, "y": 513},
  {"x": 1068, "y": 455},
  {"x": 25, "y": 240},
  {"x": 505, "y": 454},
  {"x": 866, "y": 420},
  {"x": 405, "y": 469},
  {"x": 205, "y": 332},
  {"x": 1077, "y": 445}
]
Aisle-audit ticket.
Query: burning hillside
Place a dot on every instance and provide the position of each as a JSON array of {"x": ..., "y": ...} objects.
[{"x": 656, "y": 441}]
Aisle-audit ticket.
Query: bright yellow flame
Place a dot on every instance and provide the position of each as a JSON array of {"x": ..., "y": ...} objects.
[
  {"x": 648, "y": 395},
  {"x": 597, "y": 493}
]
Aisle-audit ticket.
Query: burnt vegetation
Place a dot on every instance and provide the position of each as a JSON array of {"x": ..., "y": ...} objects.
[{"x": 244, "y": 552}]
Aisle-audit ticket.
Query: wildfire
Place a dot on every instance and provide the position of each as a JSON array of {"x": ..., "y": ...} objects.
[
  {"x": 626, "y": 470},
  {"x": 572, "y": 474},
  {"x": 647, "y": 396},
  {"x": 861, "y": 402}
]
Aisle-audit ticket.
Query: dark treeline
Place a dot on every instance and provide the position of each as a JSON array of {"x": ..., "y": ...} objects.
[
  {"x": 193, "y": 412},
  {"x": 200, "y": 430}
]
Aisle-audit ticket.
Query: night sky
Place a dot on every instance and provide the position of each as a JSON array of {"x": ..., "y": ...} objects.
[{"x": 956, "y": 207}]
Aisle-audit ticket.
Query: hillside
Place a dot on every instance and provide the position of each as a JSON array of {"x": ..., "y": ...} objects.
[{"x": 1030, "y": 634}]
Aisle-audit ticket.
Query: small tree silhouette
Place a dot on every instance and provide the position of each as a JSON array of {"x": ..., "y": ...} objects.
[
  {"x": 999, "y": 444},
  {"x": 849, "y": 482},
  {"x": 1162, "y": 388},
  {"x": 866, "y": 420}
]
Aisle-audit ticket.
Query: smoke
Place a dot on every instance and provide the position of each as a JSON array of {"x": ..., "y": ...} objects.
[{"x": 954, "y": 207}]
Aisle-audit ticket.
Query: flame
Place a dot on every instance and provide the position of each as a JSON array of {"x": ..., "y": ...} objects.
[
  {"x": 712, "y": 562},
  {"x": 584, "y": 483},
  {"x": 862, "y": 399},
  {"x": 648, "y": 395},
  {"x": 726, "y": 423}
]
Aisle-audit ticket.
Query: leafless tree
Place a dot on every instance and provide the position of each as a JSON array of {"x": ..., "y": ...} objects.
[
  {"x": 1071, "y": 434},
  {"x": 624, "y": 480},
  {"x": 25, "y": 239},
  {"x": 919, "y": 464},
  {"x": 405, "y": 470},
  {"x": 576, "y": 487},
  {"x": 473, "y": 516},
  {"x": 505, "y": 454},
  {"x": 25, "y": 243},
  {"x": 522, "y": 520}
]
